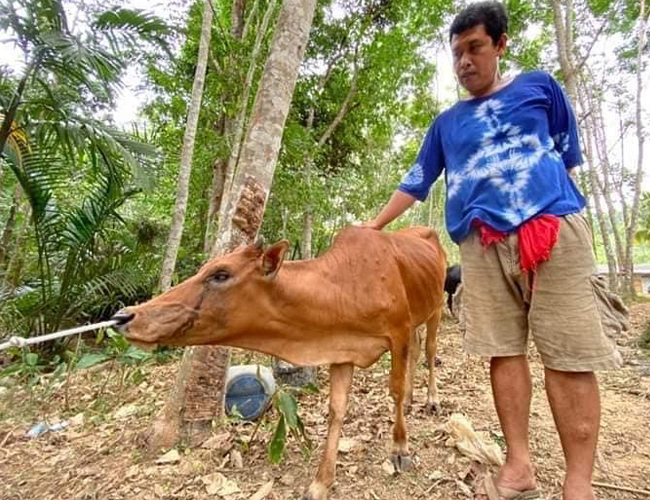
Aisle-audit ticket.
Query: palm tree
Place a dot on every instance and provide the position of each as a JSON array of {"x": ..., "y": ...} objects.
[
  {"x": 65, "y": 69},
  {"x": 52, "y": 140}
]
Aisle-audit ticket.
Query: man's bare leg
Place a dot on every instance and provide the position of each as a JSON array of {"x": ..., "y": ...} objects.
[
  {"x": 575, "y": 403},
  {"x": 511, "y": 387}
]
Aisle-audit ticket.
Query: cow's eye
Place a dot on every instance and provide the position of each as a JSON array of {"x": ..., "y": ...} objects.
[{"x": 220, "y": 277}]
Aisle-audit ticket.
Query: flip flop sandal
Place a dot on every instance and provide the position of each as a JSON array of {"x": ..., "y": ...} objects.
[{"x": 488, "y": 486}]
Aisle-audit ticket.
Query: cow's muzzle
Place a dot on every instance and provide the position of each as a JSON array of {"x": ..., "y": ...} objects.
[{"x": 122, "y": 317}]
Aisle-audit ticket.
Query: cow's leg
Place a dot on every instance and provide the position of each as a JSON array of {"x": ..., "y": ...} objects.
[
  {"x": 432, "y": 404},
  {"x": 340, "y": 381},
  {"x": 398, "y": 375},
  {"x": 414, "y": 355}
]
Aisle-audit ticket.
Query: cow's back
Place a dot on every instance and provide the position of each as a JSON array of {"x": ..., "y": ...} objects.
[{"x": 408, "y": 263}]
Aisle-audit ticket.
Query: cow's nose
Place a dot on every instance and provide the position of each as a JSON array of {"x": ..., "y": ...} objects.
[{"x": 122, "y": 317}]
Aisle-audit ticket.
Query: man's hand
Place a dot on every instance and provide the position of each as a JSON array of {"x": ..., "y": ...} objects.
[
  {"x": 395, "y": 207},
  {"x": 372, "y": 224}
]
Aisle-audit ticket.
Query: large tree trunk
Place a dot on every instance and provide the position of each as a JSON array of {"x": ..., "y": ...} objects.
[
  {"x": 199, "y": 392},
  {"x": 628, "y": 265},
  {"x": 225, "y": 129},
  {"x": 182, "y": 190},
  {"x": 234, "y": 131}
]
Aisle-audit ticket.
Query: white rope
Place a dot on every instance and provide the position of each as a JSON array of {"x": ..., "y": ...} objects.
[{"x": 23, "y": 342}]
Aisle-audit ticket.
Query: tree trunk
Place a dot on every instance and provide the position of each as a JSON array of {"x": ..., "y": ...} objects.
[
  {"x": 180, "y": 207},
  {"x": 600, "y": 145},
  {"x": 10, "y": 226},
  {"x": 595, "y": 193},
  {"x": 225, "y": 130},
  {"x": 628, "y": 264},
  {"x": 621, "y": 184},
  {"x": 199, "y": 392},
  {"x": 565, "y": 49},
  {"x": 12, "y": 108},
  {"x": 309, "y": 162},
  {"x": 15, "y": 264},
  {"x": 235, "y": 131}
]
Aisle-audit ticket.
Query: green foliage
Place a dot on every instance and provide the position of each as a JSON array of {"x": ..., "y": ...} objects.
[
  {"x": 76, "y": 170},
  {"x": 387, "y": 47},
  {"x": 116, "y": 347},
  {"x": 290, "y": 421},
  {"x": 28, "y": 367},
  {"x": 69, "y": 241}
]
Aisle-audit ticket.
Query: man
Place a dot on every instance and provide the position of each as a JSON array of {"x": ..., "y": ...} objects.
[{"x": 506, "y": 151}]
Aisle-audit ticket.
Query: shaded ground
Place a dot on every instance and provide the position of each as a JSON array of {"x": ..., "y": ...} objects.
[{"x": 101, "y": 457}]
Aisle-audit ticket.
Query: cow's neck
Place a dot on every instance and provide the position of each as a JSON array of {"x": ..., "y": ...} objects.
[{"x": 313, "y": 287}]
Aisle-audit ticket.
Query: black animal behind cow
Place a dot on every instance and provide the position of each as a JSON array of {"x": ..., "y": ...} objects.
[{"x": 452, "y": 280}]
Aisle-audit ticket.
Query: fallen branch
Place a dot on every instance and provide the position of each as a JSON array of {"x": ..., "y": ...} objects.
[
  {"x": 620, "y": 488},
  {"x": 6, "y": 438}
]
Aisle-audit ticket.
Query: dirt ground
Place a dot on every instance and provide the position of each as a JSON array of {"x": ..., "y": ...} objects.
[{"x": 100, "y": 455}]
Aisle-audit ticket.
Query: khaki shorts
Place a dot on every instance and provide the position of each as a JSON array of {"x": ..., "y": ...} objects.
[{"x": 561, "y": 311}]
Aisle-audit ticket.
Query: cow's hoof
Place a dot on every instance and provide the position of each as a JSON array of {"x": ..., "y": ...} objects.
[
  {"x": 401, "y": 463},
  {"x": 432, "y": 408},
  {"x": 316, "y": 491}
]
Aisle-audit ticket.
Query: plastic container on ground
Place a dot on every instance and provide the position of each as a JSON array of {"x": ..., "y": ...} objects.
[{"x": 248, "y": 390}]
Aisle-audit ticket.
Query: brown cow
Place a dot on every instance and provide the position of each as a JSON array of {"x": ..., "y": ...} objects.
[{"x": 364, "y": 297}]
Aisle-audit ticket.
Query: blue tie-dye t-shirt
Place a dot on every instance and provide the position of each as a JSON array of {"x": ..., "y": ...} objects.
[{"x": 505, "y": 157}]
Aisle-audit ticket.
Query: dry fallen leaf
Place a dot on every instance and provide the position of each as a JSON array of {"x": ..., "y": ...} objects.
[
  {"x": 218, "y": 484},
  {"x": 171, "y": 457},
  {"x": 466, "y": 490},
  {"x": 158, "y": 490},
  {"x": 388, "y": 467},
  {"x": 221, "y": 443},
  {"x": 132, "y": 471},
  {"x": 77, "y": 420},
  {"x": 236, "y": 459},
  {"x": 346, "y": 445},
  {"x": 263, "y": 491},
  {"x": 287, "y": 479},
  {"x": 126, "y": 411}
]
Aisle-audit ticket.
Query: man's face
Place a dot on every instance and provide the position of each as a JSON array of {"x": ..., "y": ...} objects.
[{"x": 476, "y": 58}]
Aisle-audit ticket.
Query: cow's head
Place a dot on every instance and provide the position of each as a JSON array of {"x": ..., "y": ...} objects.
[{"x": 223, "y": 298}]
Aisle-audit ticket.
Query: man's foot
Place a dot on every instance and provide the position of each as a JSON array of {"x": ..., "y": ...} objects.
[
  {"x": 578, "y": 490},
  {"x": 511, "y": 482}
]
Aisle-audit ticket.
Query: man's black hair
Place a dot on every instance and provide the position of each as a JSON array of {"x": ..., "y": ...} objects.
[{"x": 492, "y": 15}]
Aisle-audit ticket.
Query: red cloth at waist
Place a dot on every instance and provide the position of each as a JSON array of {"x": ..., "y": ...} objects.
[{"x": 537, "y": 237}]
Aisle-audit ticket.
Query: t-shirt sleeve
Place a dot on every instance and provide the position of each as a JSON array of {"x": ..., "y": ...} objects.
[
  {"x": 563, "y": 127},
  {"x": 428, "y": 166}
]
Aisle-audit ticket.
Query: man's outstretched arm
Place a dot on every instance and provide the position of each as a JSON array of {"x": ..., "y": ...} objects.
[{"x": 398, "y": 204}]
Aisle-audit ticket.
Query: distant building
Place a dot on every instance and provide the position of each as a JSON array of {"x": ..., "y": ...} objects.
[{"x": 641, "y": 277}]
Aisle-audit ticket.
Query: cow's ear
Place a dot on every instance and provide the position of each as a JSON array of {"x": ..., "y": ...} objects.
[{"x": 273, "y": 258}]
